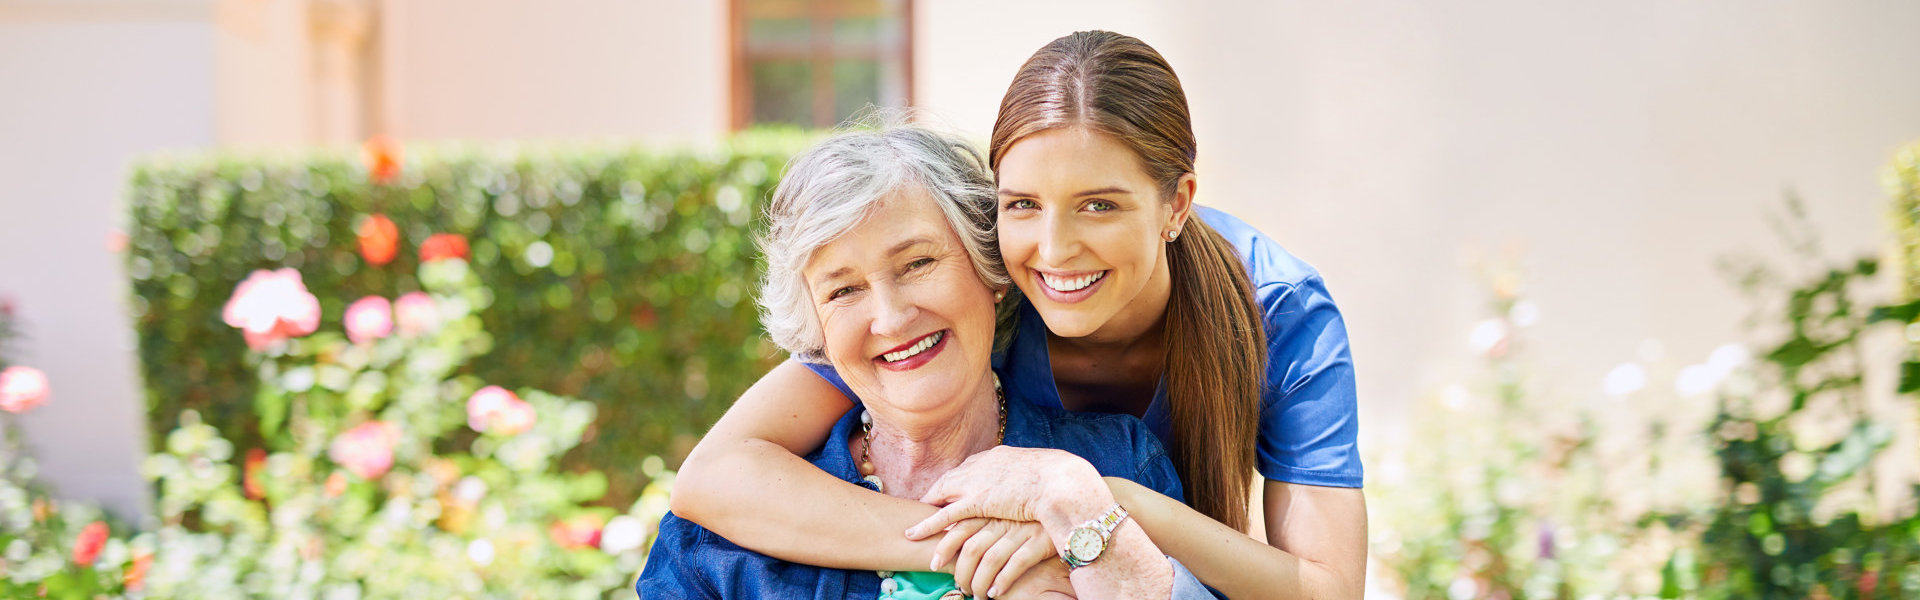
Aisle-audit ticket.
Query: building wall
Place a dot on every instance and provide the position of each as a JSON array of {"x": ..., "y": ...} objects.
[
  {"x": 568, "y": 69},
  {"x": 90, "y": 85}
]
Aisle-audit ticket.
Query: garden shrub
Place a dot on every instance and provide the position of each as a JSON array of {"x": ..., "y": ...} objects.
[{"x": 619, "y": 275}]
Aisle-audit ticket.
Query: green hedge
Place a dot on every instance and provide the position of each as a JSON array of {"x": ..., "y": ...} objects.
[
  {"x": 1903, "y": 183},
  {"x": 623, "y": 276}
]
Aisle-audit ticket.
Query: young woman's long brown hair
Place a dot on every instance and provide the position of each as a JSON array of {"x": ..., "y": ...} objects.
[{"x": 1216, "y": 345}]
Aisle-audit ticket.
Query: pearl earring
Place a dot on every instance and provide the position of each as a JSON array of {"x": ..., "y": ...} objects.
[
  {"x": 1172, "y": 234},
  {"x": 999, "y": 295}
]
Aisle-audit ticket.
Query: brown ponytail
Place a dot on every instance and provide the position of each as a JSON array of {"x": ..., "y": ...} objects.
[{"x": 1216, "y": 344}]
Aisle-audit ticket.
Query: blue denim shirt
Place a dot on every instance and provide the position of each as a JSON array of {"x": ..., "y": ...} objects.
[
  {"x": 1310, "y": 410},
  {"x": 688, "y": 561}
]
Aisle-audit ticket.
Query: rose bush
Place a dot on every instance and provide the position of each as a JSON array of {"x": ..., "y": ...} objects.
[{"x": 392, "y": 474}]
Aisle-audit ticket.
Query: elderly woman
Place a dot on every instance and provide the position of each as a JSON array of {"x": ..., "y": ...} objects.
[{"x": 881, "y": 263}]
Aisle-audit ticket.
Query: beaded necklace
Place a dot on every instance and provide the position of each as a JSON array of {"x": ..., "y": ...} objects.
[
  {"x": 916, "y": 585},
  {"x": 867, "y": 472}
]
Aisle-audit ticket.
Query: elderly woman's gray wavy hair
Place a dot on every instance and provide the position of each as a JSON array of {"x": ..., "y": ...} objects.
[{"x": 830, "y": 188}]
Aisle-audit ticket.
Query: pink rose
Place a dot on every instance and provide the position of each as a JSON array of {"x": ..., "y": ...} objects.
[
  {"x": 494, "y": 409},
  {"x": 22, "y": 388},
  {"x": 416, "y": 313},
  {"x": 271, "y": 306},
  {"x": 366, "y": 450},
  {"x": 369, "y": 319},
  {"x": 87, "y": 547}
]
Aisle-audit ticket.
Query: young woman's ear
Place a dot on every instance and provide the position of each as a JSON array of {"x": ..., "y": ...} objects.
[{"x": 1181, "y": 205}]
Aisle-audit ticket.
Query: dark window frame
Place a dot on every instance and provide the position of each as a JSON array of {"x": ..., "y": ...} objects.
[{"x": 821, "y": 53}]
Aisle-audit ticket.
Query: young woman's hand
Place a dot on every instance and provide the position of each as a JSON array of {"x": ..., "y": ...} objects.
[
  {"x": 989, "y": 555},
  {"x": 1013, "y": 484}
]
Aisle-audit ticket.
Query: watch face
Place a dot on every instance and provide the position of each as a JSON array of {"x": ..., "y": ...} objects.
[{"x": 1085, "y": 544}]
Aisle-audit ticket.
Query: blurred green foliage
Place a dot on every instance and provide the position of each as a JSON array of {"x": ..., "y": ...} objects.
[
  {"x": 1903, "y": 184},
  {"x": 619, "y": 275},
  {"x": 1800, "y": 515}
]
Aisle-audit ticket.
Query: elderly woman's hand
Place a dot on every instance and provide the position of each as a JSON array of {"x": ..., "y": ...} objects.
[
  {"x": 1047, "y": 581},
  {"x": 989, "y": 555},
  {"x": 1014, "y": 484}
]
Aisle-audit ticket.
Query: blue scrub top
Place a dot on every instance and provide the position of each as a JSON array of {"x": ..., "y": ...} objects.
[{"x": 1309, "y": 414}]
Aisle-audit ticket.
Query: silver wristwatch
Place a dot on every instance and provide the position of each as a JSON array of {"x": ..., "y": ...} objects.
[{"x": 1086, "y": 542}]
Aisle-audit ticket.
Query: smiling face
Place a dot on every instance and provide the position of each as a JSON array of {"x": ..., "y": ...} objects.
[
  {"x": 907, "y": 321},
  {"x": 1081, "y": 228}
]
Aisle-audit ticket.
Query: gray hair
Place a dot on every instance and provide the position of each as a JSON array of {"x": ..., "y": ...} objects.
[{"x": 833, "y": 186}]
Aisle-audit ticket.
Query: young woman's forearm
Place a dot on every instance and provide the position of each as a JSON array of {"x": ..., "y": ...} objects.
[
  {"x": 1236, "y": 565},
  {"x": 745, "y": 480},
  {"x": 769, "y": 501}
]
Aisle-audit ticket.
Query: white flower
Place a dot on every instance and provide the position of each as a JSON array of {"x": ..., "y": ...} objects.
[
  {"x": 480, "y": 552},
  {"x": 1625, "y": 379},
  {"x": 621, "y": 534},
  {"x": 1487, "y": 335}
]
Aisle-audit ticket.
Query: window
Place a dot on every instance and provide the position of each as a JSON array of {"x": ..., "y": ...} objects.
[{"x": 815, "y": 63}]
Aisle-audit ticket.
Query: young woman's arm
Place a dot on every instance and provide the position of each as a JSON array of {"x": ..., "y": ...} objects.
[
  {"x": 1318, "y": 538},
  {"x": 745, "y": 480}
]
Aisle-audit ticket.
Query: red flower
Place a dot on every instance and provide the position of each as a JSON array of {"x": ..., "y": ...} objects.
[
  {"x": 579, "y": 532},
  {"x": 382, "y": 157},
  {"x": 379, "y": 239},
  {"x": 87, "y": 547},
  {"x": 22, "y": 388},
  {"x": 250, "y": 478},
  {"x": 441, "y": 246},
  {"x": 271, "y": 306},
  {"x": 136, "y": 576}
]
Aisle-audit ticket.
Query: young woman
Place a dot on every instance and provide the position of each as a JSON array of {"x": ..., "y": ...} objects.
[{"x": 1230, "y": 348}]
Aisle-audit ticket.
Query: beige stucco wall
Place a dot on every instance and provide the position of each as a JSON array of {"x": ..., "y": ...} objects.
[
  {"x": 568, "y": 69},
  {"x": 90, "y": 85}
]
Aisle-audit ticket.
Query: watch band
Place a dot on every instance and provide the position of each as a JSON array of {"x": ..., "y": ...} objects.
[{"x": 1100, "y": 527}]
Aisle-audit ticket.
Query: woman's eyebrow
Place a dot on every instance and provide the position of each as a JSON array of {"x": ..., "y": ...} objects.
[
  {"x": 903, "y": 246},
  {"x": 1105, "y": 191},
  {"x": 896, "y": 249}
]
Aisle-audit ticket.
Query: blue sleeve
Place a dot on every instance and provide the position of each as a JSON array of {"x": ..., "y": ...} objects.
[
  {"x": 1188, "y": 587},
  {"x": 826, "y": 372},
  {"x": 673, "y": 571},
  {"x": 1154, "y": 469},
  {"x": 1309, "y": 418}
]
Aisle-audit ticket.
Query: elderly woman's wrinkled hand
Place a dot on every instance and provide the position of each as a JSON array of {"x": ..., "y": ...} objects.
[
  {"x": 989, "y": 555},
  {"x": 1007, "y": 483},
  {"x": 1046, "y": 581}
]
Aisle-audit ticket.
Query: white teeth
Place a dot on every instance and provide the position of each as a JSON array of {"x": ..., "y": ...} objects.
[
  {"x": 910, "y": 352},
  {"x": 1066, "y": 284}
]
